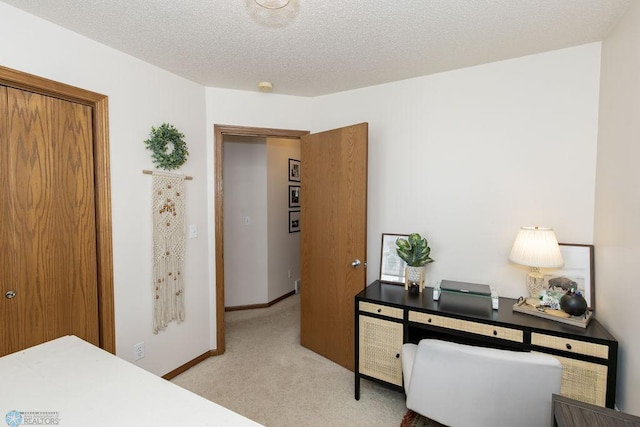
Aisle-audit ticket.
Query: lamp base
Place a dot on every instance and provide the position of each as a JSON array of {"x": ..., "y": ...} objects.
[{"x": 535, "y": 279}]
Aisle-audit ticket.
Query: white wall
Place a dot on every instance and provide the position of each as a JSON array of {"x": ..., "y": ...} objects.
[
  {"x": 245, "y": 245},
  {"x": 465, "y": 157},
  {"x": 140, "y": 96},
  {"x": 284, "y": 247},
  {"x": 469, "y": 156},
  {"x": 617, "y": 229}
]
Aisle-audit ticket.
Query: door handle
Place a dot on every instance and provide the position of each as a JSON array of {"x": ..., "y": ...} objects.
[
  {"x": 10, "y": 294},
  {"x": 356, "y": 263}
]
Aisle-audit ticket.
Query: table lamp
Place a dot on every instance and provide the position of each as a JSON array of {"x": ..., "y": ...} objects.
[{"x": 536, "y": 247}]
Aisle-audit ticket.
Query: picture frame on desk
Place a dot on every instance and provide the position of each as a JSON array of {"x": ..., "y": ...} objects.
[
  {"x": 578, "y": 272},
  {"x": 391, "y": 265}
]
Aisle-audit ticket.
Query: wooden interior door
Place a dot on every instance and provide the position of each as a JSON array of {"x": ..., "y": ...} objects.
[
  {"x": 333, "y": 237},
  {"x": 48, "y": 260}
]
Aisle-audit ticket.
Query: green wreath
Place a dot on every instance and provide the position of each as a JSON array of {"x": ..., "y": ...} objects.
[{"x": 159, "y": 145}]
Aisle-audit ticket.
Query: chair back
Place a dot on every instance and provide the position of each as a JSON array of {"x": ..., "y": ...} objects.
[{"x": 462, "y": 385}]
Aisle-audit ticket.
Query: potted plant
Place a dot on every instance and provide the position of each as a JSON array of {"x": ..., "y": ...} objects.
[{"x": 415, "y": 251}]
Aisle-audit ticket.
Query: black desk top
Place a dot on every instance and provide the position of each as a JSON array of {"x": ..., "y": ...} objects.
[{"x": 471, "y": 307}]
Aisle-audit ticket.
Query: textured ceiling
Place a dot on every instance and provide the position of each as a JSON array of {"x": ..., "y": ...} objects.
[{"x": 316, "y": 47}]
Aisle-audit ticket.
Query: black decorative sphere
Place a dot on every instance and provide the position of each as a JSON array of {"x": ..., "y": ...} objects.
[{"x": 573, "y": 304}]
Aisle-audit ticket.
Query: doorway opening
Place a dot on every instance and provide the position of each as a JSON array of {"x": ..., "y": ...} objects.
[{"x": 220, "y": 131}]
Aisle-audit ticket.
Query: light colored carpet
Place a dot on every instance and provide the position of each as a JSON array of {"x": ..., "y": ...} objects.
[{"x": 267, "y": 376}]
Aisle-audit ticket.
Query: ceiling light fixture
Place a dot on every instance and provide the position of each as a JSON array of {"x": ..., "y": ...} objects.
[{"x": 272, "y": 4}]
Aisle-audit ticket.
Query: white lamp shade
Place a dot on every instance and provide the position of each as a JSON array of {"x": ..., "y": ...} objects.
[{"x": 536, "y": 247}]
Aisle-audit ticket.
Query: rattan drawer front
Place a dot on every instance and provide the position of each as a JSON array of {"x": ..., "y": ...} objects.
[
  {"x": 584, "y": 381},
  {"x": 467, "y": 326},
  {"x": 571, "y": 346},
  {"x": 380, "y": 346},
  {"x": 396, "y": 313}
]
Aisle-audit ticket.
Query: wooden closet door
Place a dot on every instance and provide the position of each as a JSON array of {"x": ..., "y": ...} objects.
[{"x": 48, "y": 256}]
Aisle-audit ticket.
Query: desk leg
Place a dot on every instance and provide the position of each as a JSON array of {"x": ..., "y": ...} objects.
[{"x": 356, "y": 346}]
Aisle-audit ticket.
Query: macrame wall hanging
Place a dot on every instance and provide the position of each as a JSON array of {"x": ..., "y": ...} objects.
[
  {"x": 169, "y": 151},
  {"x": 168, "y": 249}
]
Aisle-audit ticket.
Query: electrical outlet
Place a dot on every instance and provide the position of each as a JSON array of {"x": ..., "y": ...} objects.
[{"x": 138, "y": 351}]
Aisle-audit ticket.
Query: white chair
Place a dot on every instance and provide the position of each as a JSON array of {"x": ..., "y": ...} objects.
[{"x": 461, "y": 385}]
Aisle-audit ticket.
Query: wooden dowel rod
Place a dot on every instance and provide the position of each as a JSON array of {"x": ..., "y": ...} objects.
[{"x": 148, "y": 172}]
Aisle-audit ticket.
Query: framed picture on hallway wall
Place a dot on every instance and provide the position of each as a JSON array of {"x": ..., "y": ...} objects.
[
  {"x": 294, "y": 196},
  {"x": 294, "y": 221},
  {"x": 294, "y": 170}
]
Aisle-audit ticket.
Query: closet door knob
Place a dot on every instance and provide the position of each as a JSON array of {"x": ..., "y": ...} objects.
[
  {"x": 10, "y": 294},
  {"x": 356, "y": 263}
]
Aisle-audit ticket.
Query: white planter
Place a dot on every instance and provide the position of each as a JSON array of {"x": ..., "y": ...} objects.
[{"x": 414, "y": 275}]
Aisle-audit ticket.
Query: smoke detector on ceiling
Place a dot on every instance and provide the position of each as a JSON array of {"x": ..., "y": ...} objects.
[{"x": 265, "y": 86}]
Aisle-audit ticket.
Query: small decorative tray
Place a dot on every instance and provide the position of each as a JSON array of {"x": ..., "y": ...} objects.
[{"x": 581, "y": 321}]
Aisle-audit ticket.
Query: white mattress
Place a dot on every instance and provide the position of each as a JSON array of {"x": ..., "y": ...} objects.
[{"x": 79, "y": 384}]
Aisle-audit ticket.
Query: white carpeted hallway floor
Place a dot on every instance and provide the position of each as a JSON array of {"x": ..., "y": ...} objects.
[{"x": 267, "y": 376}]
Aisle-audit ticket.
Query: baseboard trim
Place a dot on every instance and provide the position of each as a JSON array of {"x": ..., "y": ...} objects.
[
  {"x": 204, "y": 356},
  {"x": 189, "y": 364},
  {"x": 251, "y": 307}
]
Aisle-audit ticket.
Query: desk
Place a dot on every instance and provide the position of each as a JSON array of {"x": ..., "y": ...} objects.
[
  {"x": 571, "y": 413},
  {"x": 386, "y": 316}
]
